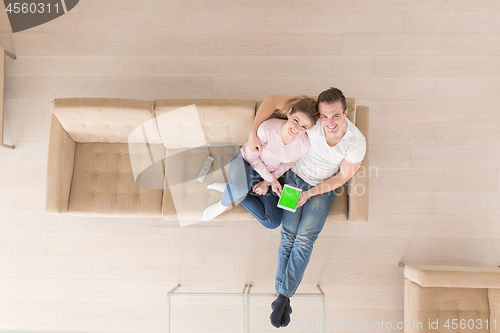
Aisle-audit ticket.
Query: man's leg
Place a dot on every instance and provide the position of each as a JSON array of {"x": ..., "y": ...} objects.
[
  {"x": 314, "y": 214},
  {"x": 290, "y": 225}
]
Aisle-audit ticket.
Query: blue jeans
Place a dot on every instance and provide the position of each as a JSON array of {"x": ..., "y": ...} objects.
[
  {"x": 243, "y": 178},
  {"x": 298, "y": 235}
]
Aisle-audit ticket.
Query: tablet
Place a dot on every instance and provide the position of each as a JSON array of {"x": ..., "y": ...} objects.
[{"x": 289, "y": 198}]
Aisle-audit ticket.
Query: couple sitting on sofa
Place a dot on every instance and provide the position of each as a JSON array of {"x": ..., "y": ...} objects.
[{"x": 320, "y": 161}]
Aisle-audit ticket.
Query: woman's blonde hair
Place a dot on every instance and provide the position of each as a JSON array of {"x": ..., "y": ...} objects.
[{"x": 303, "y": 103}]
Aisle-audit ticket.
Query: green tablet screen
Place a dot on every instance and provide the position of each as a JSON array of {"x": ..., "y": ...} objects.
[{"x": 289, "y": 198}]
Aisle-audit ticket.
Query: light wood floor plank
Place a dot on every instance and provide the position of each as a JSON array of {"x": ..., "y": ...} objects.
[
  {"x": 437, "y": 66},
  {"x": 161, "y": 44},
  {"x": 122, "y": 268},
  {"x": 34, "y": 313},
  {"x": 363, "y": 5},
  {"x": 374, "y": 227},
  {"x": 483, "y": 134},
  {"x": 473, "y": 88},
  {"x": 25, "y": 153},
  {"x": 27, "y": 109},
  {"x": 111, "y": 314},
  {"x": 419, "y": 133},
  {"x": 365, "y": 296},
  {"x": 366, "y": 88},
  {"x": 114, "y": 23},
  {"x": 36, "y": 131},
  {"x": 455, "y": 156},
  {"x": 33, "y": 220},
  {"x": 22, "y": 175},
  {"x": 13, "y": 131},
  {"x": 81, "y": 66},
  {"x": 468, "y": 5},
  {"x": 476, "y": 203},
  {"x": 143, "y": 87},
  {"x": 421, "y": 44},
  {"x": 304, "y": 44},
  {"x": 387, "y": 156},
  {"x": 336, "y": 22},
  {"x": 202, "y": 6},
  {"x": 339, "y": 272},
  {"x": 427, "y": 179},
  {"x": 455, "y": 110},
  {"x": 401, "y": 202},
  {"x": 23, "y": 243},
  {"x": 264, "y": 66},
  {"x": 29, "y": 44},
  {"x": 28, "y": 197},
  {"x": 5, "y": 265},
  {"x": 443, "y": 226},
  {"x": 376, "y": 108},
  {"x": 97, "y": 329},
  {"x": 160, "y": 245},
  {"x": 451, "y": 22}
]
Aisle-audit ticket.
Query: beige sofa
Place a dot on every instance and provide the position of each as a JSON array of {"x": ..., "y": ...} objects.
[
  {"x": 453, "y": 299},
  {"x": 93, "y": 162}
]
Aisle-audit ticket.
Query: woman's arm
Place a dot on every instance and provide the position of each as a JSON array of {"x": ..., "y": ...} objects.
[{"x": 266, "y": 109}]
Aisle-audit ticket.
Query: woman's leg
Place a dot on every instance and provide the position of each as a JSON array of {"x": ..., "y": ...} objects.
[
  {"x": 264, "y": 208},
  {"x": 298, "y": 235},
  {"x": 242, "y": 178}
]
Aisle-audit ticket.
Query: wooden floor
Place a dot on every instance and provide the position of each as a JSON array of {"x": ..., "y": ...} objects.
[{"x": 428, "y": 69}]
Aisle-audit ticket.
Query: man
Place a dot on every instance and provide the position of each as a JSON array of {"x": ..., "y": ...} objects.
[{"x": 337, "y": 150}]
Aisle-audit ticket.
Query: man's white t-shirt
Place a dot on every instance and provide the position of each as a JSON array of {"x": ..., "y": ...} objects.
[{"x": 322, "y": 161}]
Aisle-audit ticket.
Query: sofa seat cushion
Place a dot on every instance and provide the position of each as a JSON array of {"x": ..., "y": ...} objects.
[
  {"x": 494, "y": 299},
  {"x": 339, "y": 209},
  {"x": 185, "y": 198},
  {"x": 447, "y": 304},
  {"x": 103, "y": 183}
]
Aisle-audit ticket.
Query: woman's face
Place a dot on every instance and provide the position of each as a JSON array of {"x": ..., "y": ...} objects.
[
  {"x": 297, "y": 124},
  {"x": 331, "y": 116}
]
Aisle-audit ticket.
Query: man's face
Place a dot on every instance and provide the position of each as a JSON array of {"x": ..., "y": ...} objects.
[{"x": 332, "y": 116}]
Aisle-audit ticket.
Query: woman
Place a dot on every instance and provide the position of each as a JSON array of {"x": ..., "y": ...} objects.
[{"x": 283, "y": 143}]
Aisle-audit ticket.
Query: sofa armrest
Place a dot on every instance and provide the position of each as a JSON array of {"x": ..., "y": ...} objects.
[
  {"x": 453, "y": 276},
  {"x": 60, "y": 162},
  {"x": 359, "y": 184}
]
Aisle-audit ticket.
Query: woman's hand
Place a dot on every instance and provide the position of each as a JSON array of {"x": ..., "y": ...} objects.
[
  {"x": 261, "y": 188},
  {"x": 276, "y": 186},
  {"x": 304, "y": 196},
  {"x": 254, "y": 142}
]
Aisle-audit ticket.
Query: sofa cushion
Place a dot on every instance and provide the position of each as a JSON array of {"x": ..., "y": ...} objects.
[
  {"x": 106, "y": 120},
  {"x": 447, "y": 304},
  {"x": 221, "y": 120},
  {"x": 339, "y": 209},
  {"x": 103, "y": 183},
  {"x": 494, "y": 300},
  {"x": 185, "y": 198}
]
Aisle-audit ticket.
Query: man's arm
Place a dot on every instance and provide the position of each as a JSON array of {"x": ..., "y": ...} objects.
[
  {"x": 266, "y": 109},
  {"x": 346, "y": 172}
]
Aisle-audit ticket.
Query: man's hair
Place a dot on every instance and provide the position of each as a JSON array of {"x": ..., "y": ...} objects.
[{"x": 332, "y": 95}]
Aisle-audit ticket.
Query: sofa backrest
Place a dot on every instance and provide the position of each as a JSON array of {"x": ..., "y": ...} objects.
[
  {"x": 105, "y": 119},
  {"x": 213, "y": 120}
]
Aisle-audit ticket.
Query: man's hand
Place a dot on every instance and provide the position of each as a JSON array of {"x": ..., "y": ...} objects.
[
  {"x": 276, "y": 186},
  {"x": 304, "y": 196},
  {"x": 254, "y": 142},
  {"x": 261, "y": 188}
]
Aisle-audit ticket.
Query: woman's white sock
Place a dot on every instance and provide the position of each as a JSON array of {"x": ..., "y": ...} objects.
[
  {"x": 217, "y": 186},
  {"x": 213, "y": 211}
]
